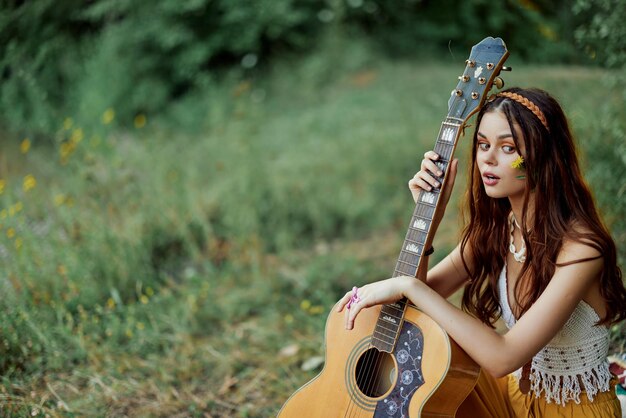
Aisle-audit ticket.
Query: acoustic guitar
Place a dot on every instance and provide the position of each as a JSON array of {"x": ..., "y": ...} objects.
[{"x": 397, "y": 361}]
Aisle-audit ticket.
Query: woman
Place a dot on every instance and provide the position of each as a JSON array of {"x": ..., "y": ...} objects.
[{"x": 534, "y": 252}]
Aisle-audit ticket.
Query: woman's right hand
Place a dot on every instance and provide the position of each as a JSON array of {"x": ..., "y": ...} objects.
[
  {"x": 429, "y": 177},
  {"x": 424, "y": 179}
]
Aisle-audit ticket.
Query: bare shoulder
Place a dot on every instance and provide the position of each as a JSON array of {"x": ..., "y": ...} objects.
[
  {"x": 579, "y": 266},
  {"x": 580, "y": 246}
]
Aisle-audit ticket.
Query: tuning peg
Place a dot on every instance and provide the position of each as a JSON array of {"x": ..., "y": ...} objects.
[
  {"x": 506, "y": 69},
  {"x": 498, "y": 82}
]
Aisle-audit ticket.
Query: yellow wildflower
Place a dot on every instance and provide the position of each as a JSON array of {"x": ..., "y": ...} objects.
[
  {"x": 305, "y": 304},
  {"x": 518, "y": 163},
  {"x": 59, "y": 199},
  {"x": 288, "y": 318},
  {"x": 11, "y": 211},
  {"x": 140, "y": 121},
  {"x": 149, "y": 291},
  {"x": 143, "y": 299},
  {"x": 547, "y": 32},
  {"x": 316, "y": 310},
  {"x": 66, "y": 149},
  {"x": 18, "y": 243},
  {"x": 110, "y": 303},
  {"x": 3, "y": 214},
  {"x": 29, "y": 183},
  {"x": 108, "y": 116},
  {"x": 18, "y": 206},
  {"x": 3, "y": 184},
  {"x": 10, "y": 233},
  {"x": 25, "y": 145},
  {"x": 68, "y": 123},
  {"x": 129, "y": 333},
  {"x": 77, "y": 136},
  {"x": 140, "y": 325}
]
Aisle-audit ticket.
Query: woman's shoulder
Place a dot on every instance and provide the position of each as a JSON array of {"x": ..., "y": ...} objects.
[{"x": 579, "y": 244}]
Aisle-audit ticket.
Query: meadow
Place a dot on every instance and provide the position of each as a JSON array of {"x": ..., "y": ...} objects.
[{"x": 185, "y": 267}]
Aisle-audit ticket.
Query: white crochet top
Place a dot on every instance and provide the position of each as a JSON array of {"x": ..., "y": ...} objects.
[{"x": 576, "y": 355}]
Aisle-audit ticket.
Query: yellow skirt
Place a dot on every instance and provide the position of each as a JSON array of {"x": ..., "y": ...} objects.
[{"x": 501, "y": 398}]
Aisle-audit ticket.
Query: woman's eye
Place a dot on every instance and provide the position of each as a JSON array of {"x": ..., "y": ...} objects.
[
  {"x": 508, "y": 149},
  {"x": 483, "y": 146}
]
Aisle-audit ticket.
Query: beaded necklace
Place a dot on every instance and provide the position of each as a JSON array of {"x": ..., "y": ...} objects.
[{"x": 519, "y": 256}]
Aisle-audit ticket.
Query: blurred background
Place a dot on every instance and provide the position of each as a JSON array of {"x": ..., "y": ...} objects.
[{"x": 186, "y": 188}]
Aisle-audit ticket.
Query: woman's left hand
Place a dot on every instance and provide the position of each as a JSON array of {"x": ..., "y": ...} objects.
[{"x": 385, "y": 291}]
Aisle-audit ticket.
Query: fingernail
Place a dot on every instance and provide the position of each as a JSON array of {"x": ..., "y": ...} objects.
[
  {"x": 439, "y": 173},
  {"x": 437, "y": 184},
  {"x": 429, "y": 188}
]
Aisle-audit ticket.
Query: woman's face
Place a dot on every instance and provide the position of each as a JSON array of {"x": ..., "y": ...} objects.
[{"x": 495, "y": 152}]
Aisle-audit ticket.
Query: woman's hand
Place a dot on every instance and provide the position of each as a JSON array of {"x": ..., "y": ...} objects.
[
  {"x": 429, "y": 176},
  {"x": 428, "y": 179},
  {"x": 378, "y": 293}
]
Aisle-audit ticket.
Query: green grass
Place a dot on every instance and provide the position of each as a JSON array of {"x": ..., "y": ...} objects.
[{"x": 171, "y": 271}]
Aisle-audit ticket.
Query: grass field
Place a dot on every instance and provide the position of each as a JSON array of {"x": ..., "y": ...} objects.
[{"x": 186, "y": 267}]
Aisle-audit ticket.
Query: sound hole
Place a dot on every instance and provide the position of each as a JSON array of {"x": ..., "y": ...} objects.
[{"x": 375, "y": 372}]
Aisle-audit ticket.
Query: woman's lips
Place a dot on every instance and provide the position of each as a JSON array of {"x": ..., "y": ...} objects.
[{"x": 490, "y": 179}]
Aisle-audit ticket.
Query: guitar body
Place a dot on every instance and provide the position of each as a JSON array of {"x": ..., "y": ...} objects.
[{"x": 426, "y": 375}]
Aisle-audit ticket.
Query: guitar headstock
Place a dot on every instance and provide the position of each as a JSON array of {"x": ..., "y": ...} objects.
[{"x": 482, "y": 68}]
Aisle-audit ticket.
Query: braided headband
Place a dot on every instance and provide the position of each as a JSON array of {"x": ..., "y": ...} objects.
[{"x": 527, "y": 104}]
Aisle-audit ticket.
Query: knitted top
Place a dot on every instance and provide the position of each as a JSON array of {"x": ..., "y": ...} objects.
[{"x": 576, "y": 355}]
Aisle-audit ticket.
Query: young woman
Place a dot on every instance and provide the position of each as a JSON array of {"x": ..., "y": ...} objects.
[{"x": 535, "y": 253}]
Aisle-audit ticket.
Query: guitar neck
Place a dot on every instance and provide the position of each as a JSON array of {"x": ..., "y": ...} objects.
[
  {"x": 418, "y": 233},
  {"x": 481, "y": 70}
]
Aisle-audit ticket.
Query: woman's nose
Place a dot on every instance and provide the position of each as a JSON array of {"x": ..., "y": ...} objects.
[{"x": 489, "y": 157}]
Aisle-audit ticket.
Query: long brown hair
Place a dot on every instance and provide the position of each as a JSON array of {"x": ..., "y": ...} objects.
[{"x": 563, "y": 208}]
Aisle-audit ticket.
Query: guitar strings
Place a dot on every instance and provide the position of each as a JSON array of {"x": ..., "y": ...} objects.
[
  {"x": 352, "y": 404},
  {"x": 372, "y": 371}
]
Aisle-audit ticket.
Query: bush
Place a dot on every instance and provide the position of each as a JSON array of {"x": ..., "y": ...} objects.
[{"x": 64, "y": 58}]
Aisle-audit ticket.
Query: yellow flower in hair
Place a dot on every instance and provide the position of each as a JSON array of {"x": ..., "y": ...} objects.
[{"x": 518, "y": 163}]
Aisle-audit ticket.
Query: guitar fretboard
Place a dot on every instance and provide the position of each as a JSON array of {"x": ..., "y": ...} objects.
[{"x": 390, "y": 319}]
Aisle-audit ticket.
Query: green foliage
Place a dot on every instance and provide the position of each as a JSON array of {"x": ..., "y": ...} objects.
[
  {"x": 141, "y": 57},
  {"x": 147, "y": 259},
  {"x": 602, "y": 37},
  {"x": 603, "y": 34},
  {"x": 136, "y": 266},
  {"x": 39, "y": 59},
  {"x": 538, "y": 31},
  {"x": 132, "y": 56}
]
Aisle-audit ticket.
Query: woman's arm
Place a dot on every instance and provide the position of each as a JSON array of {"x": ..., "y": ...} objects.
[
  {"x": 448, "y": 275},
  {"x": 498, "y": 354}
]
